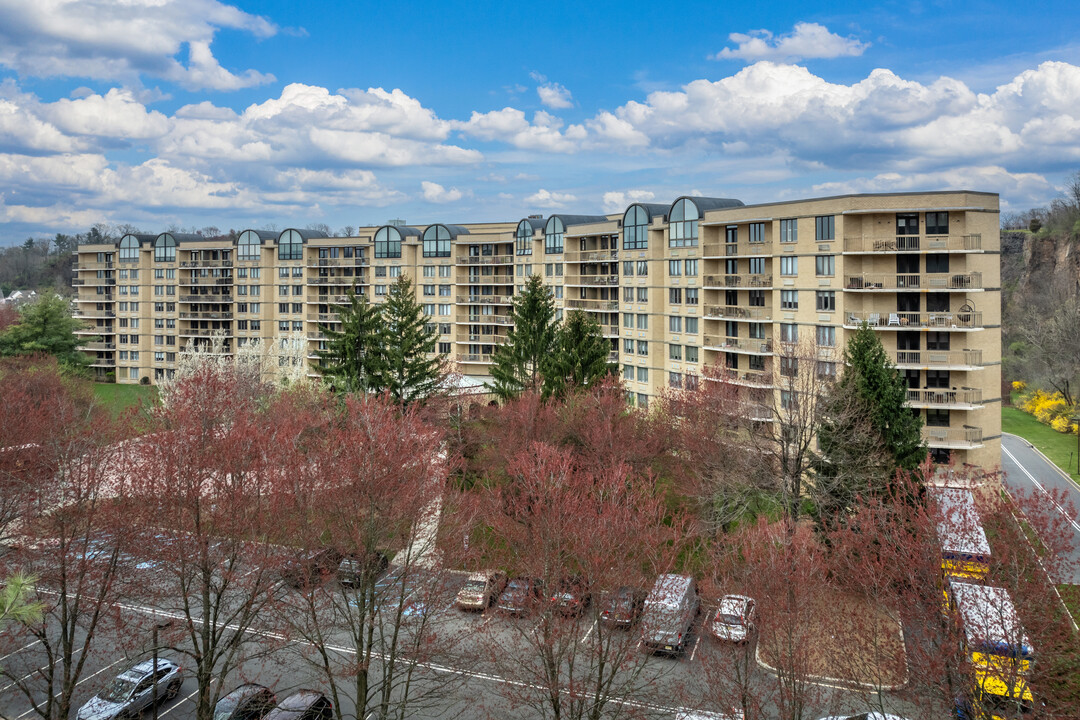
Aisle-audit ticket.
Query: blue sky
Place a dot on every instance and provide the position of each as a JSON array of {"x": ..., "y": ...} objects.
[{"x": 194, "y": 113}]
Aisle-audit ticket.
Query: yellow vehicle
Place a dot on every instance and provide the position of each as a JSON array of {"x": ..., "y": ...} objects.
[
  {"x": 965, "y": 552},
  {"x": 1001, "y": 654}
]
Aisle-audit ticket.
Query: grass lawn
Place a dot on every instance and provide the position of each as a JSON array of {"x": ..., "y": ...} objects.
[
  {"x": 1071, "y": 595},
  {"x": 1060, "y": 448},
  {"x": 118, "y": 398}
]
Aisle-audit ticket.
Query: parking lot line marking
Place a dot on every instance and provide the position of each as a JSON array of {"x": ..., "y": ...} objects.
[
  {"x": 16, "y": 652},
  {"x": 696, "y": 644},
  {"x": 24, "y": 677},
  {"x": 593, "y": 627},
  {"x": 20, "y": 717},
  {"x": 182, "y": 701}
]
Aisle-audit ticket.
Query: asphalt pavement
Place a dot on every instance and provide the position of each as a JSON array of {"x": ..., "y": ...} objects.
[{"x": 1027, "y": 469}]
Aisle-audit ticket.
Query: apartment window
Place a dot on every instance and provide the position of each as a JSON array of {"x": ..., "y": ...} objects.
[
  {"x": 789, "y": 333},
  {"x": 825, "y": 336},
  {"x": 683, "y": 224},
  {"x": 164, "y": 248},
  {"x": 635, "y": 231},
  {"x": 553, "y": 235},
  {"x": 789, "y": 366},
  {"x": 388, "y": 242},
  {"x": 628, "y": 268},
  {"x": 395, "y": 271},
  {"x": 429, "y": 271},
  {"x": 248, "y": 245},
  {"x": 628, "y": 372},
  {"x": 755, "y": 298},
  {"x": 675, "y": 380},
  {"x": 642, "y": 294},
  {"x": 429, "y": 308},
  {"x": 283, "y": 307},
  {"x": 444, "y": 309},
  {"x": 642, "y": 268},
  {"x": 444, "y": 348},
  {"x": 558, "y": 292},
  {"x": 290, "y": 246},
  {"x": 444, "y": 291},
  {"x": 690, "y": 268},
  {"x": 642, "y": 347},
  {"x": 826, "y": 370},
  {"x": 937, "y": 263},
  {"x": 380, "y": 290},
  {"x": 675, "y": 352},
  {"x": 643, "y": 374},
  {"x": 756, "y": 265},
  {"x": 789, "y": 299},
  {"x": 825, "y": 265},
  {"x": 675, "y": 296},
  {"x": 731, "y": 234},
  {"x": 691, "y": 354},
  {"x": 789, "y": 231},
  {"x": 297, "y": 326},
  {"x": 297, "y": 308},
  {"x": 444, "y": 271},
  {"x": 757, "y": 232},
  {"x": 429, "y": 290},
  {"x": 937, "y": 341},
  {"x": 756, "y": 331},
  {"x": 674, "y": 268},
  {"x": 254, "y": 308},
  {"x": 692, "y": 325},
  {"x": 937, "y": 223},
  {"x": 826, "y": 301},
  {"x": 825, "y": 227},
  {"x": 642, "y": 321},
  {"x": 691, "y": 296},
  {"x": 380, "y": 271},
  {"x": 789, "y": 266},
  {"x": 628, "y": 346},
  {"x": 628, "y": 294},
  {"x": 158, "y": 307},
  {"x": 675, "y": 324},
  {"x": 252, "y": 290},
  {"x": 436, "y": 242},
  {"x": 937, "y": 418},
  {"x": 643, "y": 401},
  {"x": 283, "y": 326}
]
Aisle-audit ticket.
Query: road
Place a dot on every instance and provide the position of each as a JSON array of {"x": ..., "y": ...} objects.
[{"x": 1027, "y": 470}]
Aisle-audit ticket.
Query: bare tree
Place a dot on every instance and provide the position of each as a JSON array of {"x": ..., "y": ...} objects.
[{"x": 1048, "y": 328}]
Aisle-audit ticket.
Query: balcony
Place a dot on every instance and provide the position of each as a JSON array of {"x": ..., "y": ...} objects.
[
  {"x": 962, "y": 399},
  {"x": 92, "y": 266},
  {"x": 489, "y": 320},
  {"x": 912, "y": 320},
  {"x": 966, "y": 437},
  {"x": 719, "y": 249},
  {"x": 736, "y": 312},
  {"x": 191, "y": 332},
  {"x": 938, "y": 359},
  {"x": 350, "y": 281},
  {"x": 96, "y": 330},
  {"x": 469, "y": 358},
  {"x": 912, "y": 243},
  {"x": 94, "y": 313},
  {"x": 584, "y": 256},
  {"x": 338, "y": 262},
  {"x": 207, "y": 264},
  {"x": 206, "y": 281},
  {"x": 98, "y": 345},
  {"x": 595, "y": 305},
  {"x": 103, "y": 363},
  {"x": 93, "y": 282},
  {"x": 205, "y": 316},
  {"x": 328, "y": 300},
  {"x": 495, "y": 279},
  {"x": 484, "y": 299},
  {"x": 486, "y": 260},
  {"x": 479, "y": 338},
  {"x": 925, "y": 281},
  {"x": 206, "y": 298},
  {"x": 324, "y": 317},
  {"x": 592, "y": 280},
  {"x": 763, "y": 282},
  {"x": 755, "y": 346},
  {"x": 747, "y": 378}
]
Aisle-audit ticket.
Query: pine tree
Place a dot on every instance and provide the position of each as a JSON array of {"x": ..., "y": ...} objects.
[
  {"x": 408, "y": 371},
  {"x": 519, "y": 364},
  {"x": 580, "y": 357},
  {"x": 46, "y": 326},
  {"x": 353, "y": 357}
]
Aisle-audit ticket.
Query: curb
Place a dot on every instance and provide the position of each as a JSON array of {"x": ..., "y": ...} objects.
[
  {"x": 838, "y": 683},
  {"x": 1049, "y": 462}
]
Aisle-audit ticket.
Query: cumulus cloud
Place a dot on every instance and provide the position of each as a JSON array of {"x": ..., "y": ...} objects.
[
  {"x": 1029, "y": 188},
  {"x": 547, "y": 199},
  {"x": 436, "y": 193},
  {"x": 616, "y": 201},
  {"x": 806, "y": 42},
  {"x": 109, "y": 40},
  {"x": 510, "y": 126},
  {"x": 555, "y": 96}
]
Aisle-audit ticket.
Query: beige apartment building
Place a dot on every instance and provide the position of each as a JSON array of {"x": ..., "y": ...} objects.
[{"x": 675, "y": 288}]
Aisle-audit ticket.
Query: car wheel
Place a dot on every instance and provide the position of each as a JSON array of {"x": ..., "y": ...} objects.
[{"x": 173, "y": 689}]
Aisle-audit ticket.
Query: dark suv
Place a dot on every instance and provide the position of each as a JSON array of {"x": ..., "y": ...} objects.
[
  {"x": 311, "y": 567},
  {"x": 303, "y": 705},
  {"x": 359, "y": 569},
  {"x": 247, "y": 702},
  {"x": 622, "y": 607},
  {"x": 521, "y": 595}
]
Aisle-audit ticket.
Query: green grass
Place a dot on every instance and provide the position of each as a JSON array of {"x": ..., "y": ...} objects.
[
  {"x": 118, "y": 398},
  {"x": 1059, "y": 447},
  {"x": 1071, "y": 595}
]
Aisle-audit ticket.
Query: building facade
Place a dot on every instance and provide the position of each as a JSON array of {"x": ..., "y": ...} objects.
[{"x": 675, "y": 288}]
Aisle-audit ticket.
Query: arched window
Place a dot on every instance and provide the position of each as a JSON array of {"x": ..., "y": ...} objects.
[
  {"x": 165, "y": 248},
  {"x": 553, "y": 235},
  {"x": 524, "y": 238},
  {"x": 436, "y": 242},
  {"x": 290, "y": 246},
  {"x": 387, "y": 242},
  {"x": 249, "y": 246},
  {"x": 683, "y": 224},
  {"x": 635, "y": 228},
  {"x": 129, "y": 249}
]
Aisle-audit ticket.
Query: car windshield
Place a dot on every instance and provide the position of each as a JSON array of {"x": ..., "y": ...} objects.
[
  {"x": 728, "y": 619},
  {"x": 474, "y": 586},
  {"x": 119, "y": 691},
  {"x": 520, "y": 585}
]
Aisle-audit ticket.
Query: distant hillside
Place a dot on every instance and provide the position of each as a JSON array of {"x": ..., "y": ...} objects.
[{"x": 36, "y": 265}]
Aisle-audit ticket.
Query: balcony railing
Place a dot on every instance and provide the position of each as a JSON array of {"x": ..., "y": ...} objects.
[
  {"x": 739, "y": 281},
  {"x": 479, "y": 338},
  {"x": 337, "y": 262},
  {"x": 99, "y": 346},
  {"x": 93, "y": 281},
  {"x": 750, "y": 378},
  {"x": 324, "y": 317},
  {"x": 716, "y": 249},
  {"x": 471, "y": 358},
  {"x": 593, "y": 304},
  {"x": 486, "y": 260},
  {"x": 908, "y": 320},
  {"x": 205, "y": 315},
  {"x": 207, "y": 264},
  {"x": 592, "y": 280},
  {"x": 351, "y": 281},
  {"x": 914, "y": 281},
  {"x": 200, "y": 281},
  {"x": 92, "y": 266},
  {"x": 206, "y": 298},
  {"x": 736, "y": 312},
  {"x": 572, "y": 256},
  {"x": 484, "y": 299},
  {"x": 750, "y": 345},
  {"x": 490, "y": 320},
  {"x": 94, "y": 313},
  {"x": 192, "y": 332},
  {"x": 962, "y": 438},
  {"x": 939, "y": 358},
  {"x": 968, "y": 398},
  {"x": 912, "y": 243}
]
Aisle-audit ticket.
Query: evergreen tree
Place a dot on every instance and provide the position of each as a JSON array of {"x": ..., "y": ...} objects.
[
  {"x": 46, "y": 326},
  {"x": 580, "y": 357},
  {"x": 519, "y": 364},
  {"x": 408, "y": 370},
  {"x": 354, "y": 355}
]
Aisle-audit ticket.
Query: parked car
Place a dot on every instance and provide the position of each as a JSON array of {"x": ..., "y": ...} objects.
[
  {"x": 303, "y": 705},
  {"x": 311, "y": 567},
  {"x": 669, "y": 613},
  {"x": 250, "y": 701},
  {"x": 734, "y": 619},
  {"x": 358, "y": 569},
  {"x": 480, "y": 590},
  {"x": 571, "y": 596},
  {"x": 521, "y": 595},
  {"x": 133, "y": 691},
  {"x": 864, "y": 716},
  {"x": 622, "y": 608}
]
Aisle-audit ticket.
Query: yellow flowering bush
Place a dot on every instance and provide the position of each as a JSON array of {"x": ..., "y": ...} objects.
[
  {"x": 1049, "y": 409},
  {"x": 1019, "y": 385}
]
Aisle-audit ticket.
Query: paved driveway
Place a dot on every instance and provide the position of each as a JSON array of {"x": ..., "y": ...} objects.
[{"x": 1026, "y": 469}]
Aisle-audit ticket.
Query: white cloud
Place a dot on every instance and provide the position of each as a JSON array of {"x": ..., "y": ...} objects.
[
  {"x": 436, "y": 193},
  {"x": 117, "y": 114},
  {"x": 510, "y": 126},
  {"x": 555, "y": 96},
  {"x": 546, "y": 199},
  {"x": 617, "y": 201},
  {"x": 807, "y": 41},
  {"x": 111, "y": 40},
  {"x": 1030, "y": 188}
]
